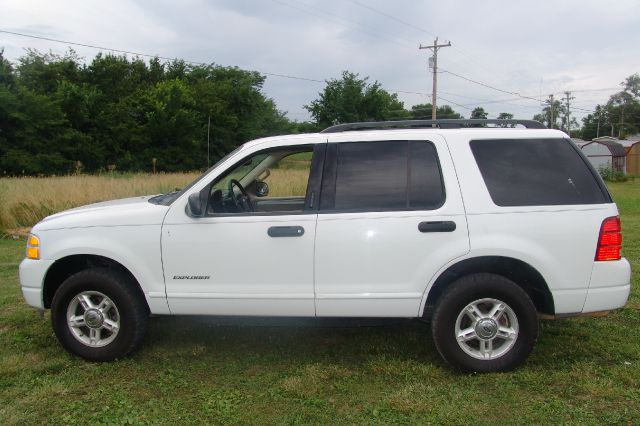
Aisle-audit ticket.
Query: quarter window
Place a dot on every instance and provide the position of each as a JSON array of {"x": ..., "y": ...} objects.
[{"x": 536, "y": 172}]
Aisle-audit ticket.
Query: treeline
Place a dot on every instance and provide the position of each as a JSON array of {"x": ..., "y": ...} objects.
[
  {"x": 59, "y": 115},
  {"x": 620, "y": 116}
]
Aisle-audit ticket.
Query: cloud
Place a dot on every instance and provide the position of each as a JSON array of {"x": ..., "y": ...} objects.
[{"x": 533, "y": 48}]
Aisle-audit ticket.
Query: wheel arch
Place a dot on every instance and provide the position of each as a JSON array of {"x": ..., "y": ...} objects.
[
  {"x": 64, "y": 267},
  {"x": 518, "y": 271}
]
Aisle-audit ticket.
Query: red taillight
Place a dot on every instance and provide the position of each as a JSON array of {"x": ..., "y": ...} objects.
[{"x": 610, "y": 240}]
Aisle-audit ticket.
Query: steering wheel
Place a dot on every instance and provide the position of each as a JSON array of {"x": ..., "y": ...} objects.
[{"x": 243, "y": 201}]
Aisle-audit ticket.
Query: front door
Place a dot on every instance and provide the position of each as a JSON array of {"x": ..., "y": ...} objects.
[{"x": 252, "y": 253}]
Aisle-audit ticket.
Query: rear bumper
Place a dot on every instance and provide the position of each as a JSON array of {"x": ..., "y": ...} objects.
[
  {"x": 610, "y": 286},
  {"x": 606, "y": 298},
  {"x": 32, "y": 273}
]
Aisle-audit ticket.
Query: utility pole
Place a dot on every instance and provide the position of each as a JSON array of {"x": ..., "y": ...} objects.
[
  {"x": 434, "y": 48},
  {"x": 568, "y": 99},
  {"x": 208, "y": 150},
  {"x": 552, "y": 121}
]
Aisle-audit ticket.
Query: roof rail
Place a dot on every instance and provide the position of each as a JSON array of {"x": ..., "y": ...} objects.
[{"x": 441, "y": 124}]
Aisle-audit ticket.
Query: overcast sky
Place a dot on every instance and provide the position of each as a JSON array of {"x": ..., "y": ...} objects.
[{"x": 532, "y": 48}]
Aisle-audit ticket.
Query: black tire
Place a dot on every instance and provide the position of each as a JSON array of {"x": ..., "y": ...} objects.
[
  {"x": 468, "y": 290},
  {"x": 130, "y": 306}
]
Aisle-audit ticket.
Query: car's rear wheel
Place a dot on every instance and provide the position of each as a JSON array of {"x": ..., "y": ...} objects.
[
  {"x": 99, "y": 315},
  {"x": 484, "y": 323}
]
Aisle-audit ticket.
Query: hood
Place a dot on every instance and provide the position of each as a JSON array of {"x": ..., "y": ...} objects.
[{"x": 124, "y": 212}]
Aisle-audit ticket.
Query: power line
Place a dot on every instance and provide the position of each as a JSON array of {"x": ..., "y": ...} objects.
[
  {"x": 373, "y": 32},
  {"x": 420, "y": 29},
  {"x": 491, "y": 87},
  {"x": 376, "y": 30},
  {"x": 606, "y": 89},
  {"x": 315, "y": 80},
  {"x": 518, "y": 94},
  {"x": 147, "y": 55},
  {"x": 459, "y": 105},
  {"x": 392, "y": 17}
]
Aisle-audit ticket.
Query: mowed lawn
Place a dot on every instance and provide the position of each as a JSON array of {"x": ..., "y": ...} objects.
[{"x": 288, "y": 371}]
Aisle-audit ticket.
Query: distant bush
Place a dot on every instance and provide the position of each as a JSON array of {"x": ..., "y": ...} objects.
[{"x": 610, "y": 175}]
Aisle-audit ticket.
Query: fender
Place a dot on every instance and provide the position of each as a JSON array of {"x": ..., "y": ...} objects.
[
  {"x": 137, "y": 249},
  {"x": 529, "y": 253}
]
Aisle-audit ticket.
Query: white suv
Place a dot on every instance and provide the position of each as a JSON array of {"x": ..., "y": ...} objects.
[{"x": 480, "y": 229}]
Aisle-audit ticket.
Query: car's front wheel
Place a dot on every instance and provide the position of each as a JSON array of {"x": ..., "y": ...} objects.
[
  {"x": 484, "y": 323},
  {"x": 99, "y": 315}
]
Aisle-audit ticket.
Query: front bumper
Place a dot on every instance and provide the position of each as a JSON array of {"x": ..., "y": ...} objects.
[{"x": 32, "y": 273}]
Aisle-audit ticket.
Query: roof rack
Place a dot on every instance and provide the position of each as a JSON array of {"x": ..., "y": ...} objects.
[{"x": 441, "y": 124}]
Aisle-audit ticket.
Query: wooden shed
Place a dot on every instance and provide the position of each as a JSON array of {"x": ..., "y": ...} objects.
[
  {"x": 633, "y": 159},
  {"x": 606, "y": 153}
]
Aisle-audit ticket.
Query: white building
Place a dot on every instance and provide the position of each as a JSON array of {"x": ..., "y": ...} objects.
[{"x": 606, "y": 152}]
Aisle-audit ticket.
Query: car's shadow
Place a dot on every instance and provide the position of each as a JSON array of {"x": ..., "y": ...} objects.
[
  {"x": 561, "y": 343},
  {"x": 293, "y": 338}
]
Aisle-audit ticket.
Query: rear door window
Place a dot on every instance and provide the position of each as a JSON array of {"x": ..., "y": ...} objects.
[
  {"x": 536, "y": 172},
  {"x": 380, "y": 176}
]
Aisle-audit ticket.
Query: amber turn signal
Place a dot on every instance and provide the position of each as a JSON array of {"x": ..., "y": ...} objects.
[{"x": 33, "y": 247}]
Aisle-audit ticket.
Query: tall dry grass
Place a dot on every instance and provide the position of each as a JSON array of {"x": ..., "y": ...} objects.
[
  {"x": 287, "y": 182},
  {"x": 25, "y": 201}
]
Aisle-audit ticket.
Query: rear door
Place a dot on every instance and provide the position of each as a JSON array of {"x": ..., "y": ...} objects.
[{"x": 391, "y": 215}]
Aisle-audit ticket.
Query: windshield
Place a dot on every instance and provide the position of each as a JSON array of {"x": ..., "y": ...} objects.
[{"x": 168, "y": 198}]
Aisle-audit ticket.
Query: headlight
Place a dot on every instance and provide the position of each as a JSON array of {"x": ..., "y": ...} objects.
[{"x": 33, "y": 247}]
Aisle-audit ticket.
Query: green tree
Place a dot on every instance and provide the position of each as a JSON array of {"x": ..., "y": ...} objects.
[
  {"x": 620, "y": 116},
  {"x": 59, "y": 115},
  {"x": 552, "y": 113},
  {"x": 352, "y": 99},
  {"x": 171, "y": 124},
  {"x": 632, "y": 85},
  {"x": 42, "y": 73},
  {"x": 479, "y": 112},
  {"x": 619, "y": 104},
  {"x": 423, "y": 111}
]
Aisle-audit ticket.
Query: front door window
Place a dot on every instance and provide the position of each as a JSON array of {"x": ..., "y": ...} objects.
[{"x": 265, "y": 182}]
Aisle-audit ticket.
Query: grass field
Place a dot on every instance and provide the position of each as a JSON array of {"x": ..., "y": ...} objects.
[
  {"x": 25, "y": 201},
  {"x": 268, "y": 371}
]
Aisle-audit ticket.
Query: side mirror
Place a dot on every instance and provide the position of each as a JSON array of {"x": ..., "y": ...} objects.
[
  {"x": 197, "y": 204},
  {"x": 262, "y": 189}
]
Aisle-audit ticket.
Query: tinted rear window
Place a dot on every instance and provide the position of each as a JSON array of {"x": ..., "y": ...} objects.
[
  {"x": 536, "y": 172},
  {"x": 386, "y": 175},
  {"x": 371, "y": 176}
]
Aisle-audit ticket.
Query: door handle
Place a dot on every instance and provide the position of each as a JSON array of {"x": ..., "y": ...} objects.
[
  {"x": 437, "y": 226},
  {"x": 285, "y": 231}
]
